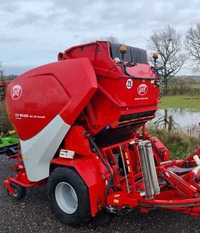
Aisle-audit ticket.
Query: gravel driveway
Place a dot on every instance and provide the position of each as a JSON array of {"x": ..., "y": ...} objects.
[{"x": 34, "y": 215}]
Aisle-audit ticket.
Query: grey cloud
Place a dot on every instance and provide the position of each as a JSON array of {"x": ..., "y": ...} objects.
[{"x": 45, "y": 27}]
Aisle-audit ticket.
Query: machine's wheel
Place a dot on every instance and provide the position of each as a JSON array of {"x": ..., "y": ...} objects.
[
  {"x": 69, "y": 196},
  {"x": 19, "y": 192}
]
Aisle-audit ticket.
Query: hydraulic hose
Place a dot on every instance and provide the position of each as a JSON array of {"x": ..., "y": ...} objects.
[{"x": 96, "y": 149}]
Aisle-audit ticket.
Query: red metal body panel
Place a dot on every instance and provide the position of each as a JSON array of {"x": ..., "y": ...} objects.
[
  {"x": 113, "y": 98},
  {"x": 92, "y": 172},
  {"x": 77, "y": 134},
  {"x": 57, "y": 88},
  {"x": 99, "y": 97},
  {"x": 161, "y": 153},
  {"x": 108, "y": 104},
  {"x": 99, "y": 55},
  {"x": 141, "y": 70}
]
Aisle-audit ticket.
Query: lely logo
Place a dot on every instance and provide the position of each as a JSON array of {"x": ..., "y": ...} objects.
[
  {"x": 16, "y": 92},
  {"x": 142, "y": 89}
]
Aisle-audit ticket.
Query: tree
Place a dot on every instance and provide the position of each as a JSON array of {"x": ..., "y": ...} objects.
[
  {"x": 192, "y": 43},
  {"x": 168, "y": 44},
  {"x": 1, "y": 72}
]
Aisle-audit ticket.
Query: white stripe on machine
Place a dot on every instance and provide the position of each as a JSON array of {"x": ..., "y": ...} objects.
[{"x": 38, "y": 151}]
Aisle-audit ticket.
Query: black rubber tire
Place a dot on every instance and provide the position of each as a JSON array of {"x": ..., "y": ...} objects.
[
  {"x": 82, "y": 214},
  {"x": 19, "y": 192}
]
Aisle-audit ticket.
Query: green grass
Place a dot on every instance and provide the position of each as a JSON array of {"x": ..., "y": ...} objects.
[
  {"x": 181, "y": 101},
  {"x": 6, "y": 141},
  {"x": 196, "y": 85},
  {"x": 179, "y": 145}
]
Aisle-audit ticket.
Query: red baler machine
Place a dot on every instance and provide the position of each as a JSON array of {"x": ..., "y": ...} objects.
[{"x": 81, "y": 125}]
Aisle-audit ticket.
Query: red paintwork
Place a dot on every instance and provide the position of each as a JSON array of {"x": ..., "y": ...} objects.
[
  {"x": 57, "y": 88},
  {"x": 77, "y": 133},
  {"x": 21, "y": 177},
  {"x": 87, "y": 88},
  {"x": 113, "y": 99},
  {"x": 91, "y": 170}
]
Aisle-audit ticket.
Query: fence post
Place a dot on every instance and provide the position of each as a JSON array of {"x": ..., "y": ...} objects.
[
  {"x": 170, "y": 123},
  {"x": 165, "y": 118}
]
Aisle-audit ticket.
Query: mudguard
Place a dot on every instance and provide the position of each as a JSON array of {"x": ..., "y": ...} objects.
[{"x": 93, "y": 173}]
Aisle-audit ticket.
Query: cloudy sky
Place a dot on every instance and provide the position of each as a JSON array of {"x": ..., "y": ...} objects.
[{"x": 32, "y": 32}]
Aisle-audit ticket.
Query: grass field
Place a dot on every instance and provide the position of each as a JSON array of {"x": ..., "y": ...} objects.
[
  {"x": 196, "y": 85},
  {"x": 181, "y": 101},
  {"x": 179, "y": 144}
]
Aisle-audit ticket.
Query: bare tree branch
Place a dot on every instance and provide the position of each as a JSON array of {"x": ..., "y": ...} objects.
[
  {"x": 169, "y": 46},
  {"x": 192, "y": 44}
]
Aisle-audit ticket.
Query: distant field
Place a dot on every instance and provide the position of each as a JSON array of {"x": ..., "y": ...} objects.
[
  {"x": 196, "y": 85},
  {"x": 181, "y": 101}
]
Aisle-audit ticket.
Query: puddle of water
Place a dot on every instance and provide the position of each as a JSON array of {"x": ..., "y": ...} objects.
[{"x": 183, "y": 119}]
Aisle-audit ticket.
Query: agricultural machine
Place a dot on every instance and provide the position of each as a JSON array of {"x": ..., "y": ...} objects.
[{"x": 81, "y": 124}]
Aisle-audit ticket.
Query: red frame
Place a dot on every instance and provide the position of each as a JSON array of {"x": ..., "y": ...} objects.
[
  {"x": 184, "y": 197},
  {"x": 102, "y": 106}
]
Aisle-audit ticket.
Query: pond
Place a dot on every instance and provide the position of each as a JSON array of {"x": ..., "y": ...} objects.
[{"x": 181, "y": 119}]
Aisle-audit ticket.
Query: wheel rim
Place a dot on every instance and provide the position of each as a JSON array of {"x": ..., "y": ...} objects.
[{"x": 66, "y": 197}]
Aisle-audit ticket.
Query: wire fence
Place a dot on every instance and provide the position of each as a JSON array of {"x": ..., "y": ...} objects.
[{"x": 166, "y": 121}]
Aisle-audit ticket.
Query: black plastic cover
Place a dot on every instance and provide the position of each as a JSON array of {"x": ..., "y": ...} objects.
[{"x": 133, "y": 55}]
